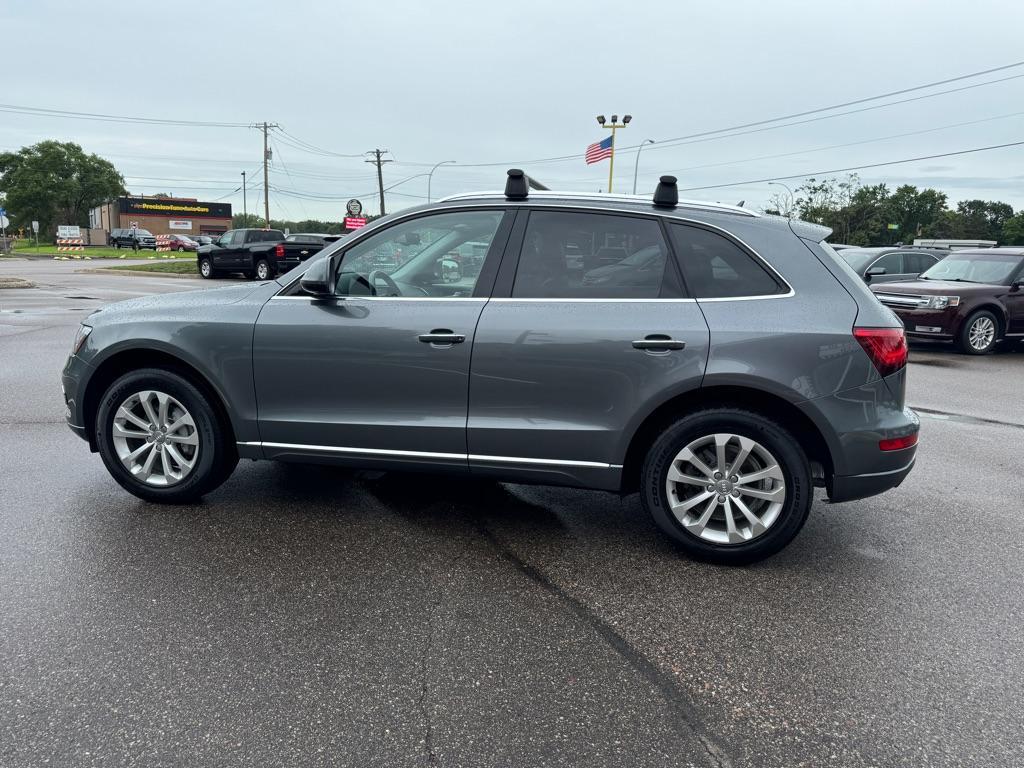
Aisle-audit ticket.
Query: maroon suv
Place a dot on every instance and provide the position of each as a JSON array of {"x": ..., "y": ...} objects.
[{"x": 973, "y": 297}]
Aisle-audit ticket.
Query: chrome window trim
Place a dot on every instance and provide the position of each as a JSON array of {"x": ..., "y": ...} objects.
[
  {"x": 480, "y": 299},
  {"x": 513, "y": 300},
  {"x": 430, "y": 455}
]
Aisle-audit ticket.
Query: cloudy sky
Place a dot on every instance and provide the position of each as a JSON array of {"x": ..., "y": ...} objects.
[{"x": 516, "y": 84}]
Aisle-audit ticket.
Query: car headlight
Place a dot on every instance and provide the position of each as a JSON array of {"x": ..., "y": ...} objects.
[
  {"x": 80, "y": 337},
  {"x": 941, "y": 302}
]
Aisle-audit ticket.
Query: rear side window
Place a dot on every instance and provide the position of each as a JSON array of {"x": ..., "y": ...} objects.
[
  {"x": 714, "y": 267},
  {"x": 569, "y": 255},
  {"x": 892, "y": 263}
]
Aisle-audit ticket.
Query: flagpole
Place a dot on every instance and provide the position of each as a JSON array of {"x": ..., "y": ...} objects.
[
  {"x": 611, "y": 160},
  {"x": 615, "y": 124}
]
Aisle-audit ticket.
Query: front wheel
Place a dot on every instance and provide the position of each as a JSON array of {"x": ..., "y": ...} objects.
[
  {"x": 181, "y": 249},
  {"x": 978, "y": 336},
  {"x": 262, "y": 270},
  {"x": 728, "y": 485},
  {"x": 160, "y": 438},
  {"x": 206, "y": 268}
]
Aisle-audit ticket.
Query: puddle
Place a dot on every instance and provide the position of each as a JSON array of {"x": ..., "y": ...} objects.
[{"x": 83, "y": 298}]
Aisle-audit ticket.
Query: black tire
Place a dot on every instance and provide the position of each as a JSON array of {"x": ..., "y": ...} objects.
[
  {"x": 777, "y": 441},
  {"x": 963, "y": 339},
  {"x": 262, "y": 271},
  {"x": 117, "y": 244},
  {"x": 216, "y": 453},
  {"x": 206, "y": 270},
  {"x": 181, "y": 249}
]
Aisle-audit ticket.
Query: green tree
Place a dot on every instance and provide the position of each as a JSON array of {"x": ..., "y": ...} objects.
[
  {"x": 1013, "y": 230},
  {"x": 56, "y": 183}
]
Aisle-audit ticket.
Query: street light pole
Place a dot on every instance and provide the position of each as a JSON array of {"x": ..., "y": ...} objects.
[
  {"x": 245, "y": 208},
  {"x": 636, "y": 165},
  {"x": 613, "y": 126},
  {"x": 792, "y": 199},
  {"x": 430, "y": 176}
]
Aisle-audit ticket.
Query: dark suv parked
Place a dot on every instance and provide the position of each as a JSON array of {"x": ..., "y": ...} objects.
[
  {"x": 886, "y": 265},
  {"x": 972, "y": 297},
  {"x": 122, "y": 238},
  {"x": 719, "y": 362}
]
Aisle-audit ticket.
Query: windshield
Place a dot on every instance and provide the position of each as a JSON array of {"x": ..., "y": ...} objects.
[{"x": 990, "y": 268}]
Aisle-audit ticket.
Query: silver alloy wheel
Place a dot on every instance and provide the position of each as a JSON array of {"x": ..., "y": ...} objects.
[
  {"x": 156, "y": 438},
  {"x": 262, "y": 270},
  {"x": 204, "y": 268},
  {"x": 981, "y": 333},
  {"x": 725, "y": 488}
]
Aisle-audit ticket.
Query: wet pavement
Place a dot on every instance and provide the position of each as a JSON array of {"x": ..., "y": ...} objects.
[{"x": 313, "y": 616}]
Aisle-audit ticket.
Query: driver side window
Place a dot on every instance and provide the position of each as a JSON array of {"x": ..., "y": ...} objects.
[{"x": 439, "y": 255}]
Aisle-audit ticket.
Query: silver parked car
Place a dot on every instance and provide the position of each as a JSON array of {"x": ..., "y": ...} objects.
[{"x": 719, "y": 362}]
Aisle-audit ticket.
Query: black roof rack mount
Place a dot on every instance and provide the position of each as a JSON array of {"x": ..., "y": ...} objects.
[
  {"x": 666, "y": 194},
  {"x": 517, "y": 187}
]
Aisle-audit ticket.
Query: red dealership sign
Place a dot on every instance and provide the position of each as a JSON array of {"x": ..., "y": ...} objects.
[{"x": 354, "y": 222}]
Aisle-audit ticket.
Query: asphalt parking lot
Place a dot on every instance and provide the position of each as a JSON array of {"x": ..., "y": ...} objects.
[{"x": 310, "y": 616}]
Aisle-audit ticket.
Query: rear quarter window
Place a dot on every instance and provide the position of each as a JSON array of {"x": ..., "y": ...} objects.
[{"x": 715, "y": 267}]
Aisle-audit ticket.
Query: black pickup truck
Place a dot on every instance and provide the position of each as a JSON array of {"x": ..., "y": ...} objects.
[{"x": 259, "y": 254}]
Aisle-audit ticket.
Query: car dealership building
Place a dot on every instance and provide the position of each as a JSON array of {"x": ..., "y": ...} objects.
[{"x": 161, "y": 216}]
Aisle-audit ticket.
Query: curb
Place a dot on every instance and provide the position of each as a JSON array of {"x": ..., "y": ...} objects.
[{"x": 137, "y": 273}]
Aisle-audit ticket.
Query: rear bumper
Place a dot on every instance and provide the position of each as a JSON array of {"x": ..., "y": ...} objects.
[{"x": 851, "y": 487}]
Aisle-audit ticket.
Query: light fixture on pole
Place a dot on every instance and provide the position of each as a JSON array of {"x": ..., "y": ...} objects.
[
  {"x": 430, "y": 176},
  {"x": 636, "y": 165},
  {"x": 613, "y": 126},
  {"x": 792, "y": 199}
]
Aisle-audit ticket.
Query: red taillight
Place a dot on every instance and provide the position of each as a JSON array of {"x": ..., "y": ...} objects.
[
  {"x": 279, "y": 251},
  {"x": 887, "y": 347},
  {"x": 898, "y": 443}
]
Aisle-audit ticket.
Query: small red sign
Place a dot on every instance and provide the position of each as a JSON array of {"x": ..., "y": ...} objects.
[{"x": 354, "y": 222}]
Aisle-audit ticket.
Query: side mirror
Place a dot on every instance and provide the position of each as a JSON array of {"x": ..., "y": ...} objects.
[
  {"x": 451, "y": 270},
  {"x": 873, "y": 272},
  {"x": 316, "y": 281}
]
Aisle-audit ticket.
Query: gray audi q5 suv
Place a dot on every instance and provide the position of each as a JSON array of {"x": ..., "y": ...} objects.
[{"x": 719, "y": 362}]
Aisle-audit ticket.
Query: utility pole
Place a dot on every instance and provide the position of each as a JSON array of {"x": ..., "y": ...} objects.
[
  {"x": 265, "y": 127},
  {"x": 379, "y": 162},
  {"x": 245, "y": 208}
]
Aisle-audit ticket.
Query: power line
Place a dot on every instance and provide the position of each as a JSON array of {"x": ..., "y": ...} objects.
[
  {"x": 848, "y": 144},
  {"x": 44, "y": 112},
  {"x": 854, "y": 167}
]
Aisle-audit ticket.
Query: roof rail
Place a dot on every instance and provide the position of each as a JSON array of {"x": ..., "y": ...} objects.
[{"x": 598, "y": 197}]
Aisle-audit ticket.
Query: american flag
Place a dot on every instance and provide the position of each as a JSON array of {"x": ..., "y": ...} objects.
[{"x": 599, "y": 151}]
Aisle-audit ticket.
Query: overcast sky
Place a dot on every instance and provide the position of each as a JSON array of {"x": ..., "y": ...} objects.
[{"x": 511, "y": 83}]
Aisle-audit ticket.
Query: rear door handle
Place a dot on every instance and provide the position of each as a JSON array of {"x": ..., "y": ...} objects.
[
  {"x": 442, "y": 337},
  {"x": 658, "y": 342}
]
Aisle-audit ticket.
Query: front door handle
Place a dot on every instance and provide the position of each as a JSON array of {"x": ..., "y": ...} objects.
[
  {"x": 442, "y": 337},
  {"x": 658, "y": 342}
]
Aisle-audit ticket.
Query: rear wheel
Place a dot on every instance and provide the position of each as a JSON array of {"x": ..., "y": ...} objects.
[
  {"x": 262, "y": 270},
  {"x": 160, "y": 439},
  {"x": 978, "y": 336},
  {"x": 206, "y": 268},
  {"x": 181, "y": 248},
  {"x": 728, "y": 485},
  {"x": 117, "y": 244}
]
